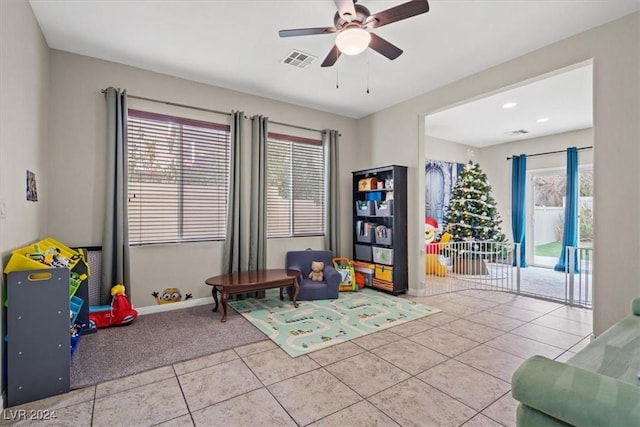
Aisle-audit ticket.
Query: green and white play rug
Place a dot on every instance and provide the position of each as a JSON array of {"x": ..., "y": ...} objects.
[{"x": 323, "y": 323}]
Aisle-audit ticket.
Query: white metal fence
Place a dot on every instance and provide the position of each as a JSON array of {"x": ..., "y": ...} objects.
[
  {"x": 578, "y": 274},
  {"x": 490, "y": 266}
]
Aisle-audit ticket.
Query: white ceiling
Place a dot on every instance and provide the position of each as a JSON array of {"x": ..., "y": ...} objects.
[
  {"x": 235, "y": 44},
  {"x": 565, "y": 99}
]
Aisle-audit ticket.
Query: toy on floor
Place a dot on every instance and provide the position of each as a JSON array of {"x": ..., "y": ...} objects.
[
  {"x": 348, "y": 280},
  {"x": 432, "y": 248},
  {"x": 119, "y": 313}
]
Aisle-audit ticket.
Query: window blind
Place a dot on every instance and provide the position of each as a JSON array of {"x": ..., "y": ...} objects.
[
  {"x": 178, "y": 178},
  {"x": 296, "y": 187}
]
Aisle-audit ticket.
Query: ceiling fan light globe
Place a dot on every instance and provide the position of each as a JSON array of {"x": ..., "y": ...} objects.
[{"x": 353, "y": 41}]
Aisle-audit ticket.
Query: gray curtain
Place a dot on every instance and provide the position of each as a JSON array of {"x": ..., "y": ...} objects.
[
  {"x": 115, "y": 239},
  {"x": 332, "y": 233},
  {"x": 232, "y": 260},
  {"x": 258, "y": 208}
]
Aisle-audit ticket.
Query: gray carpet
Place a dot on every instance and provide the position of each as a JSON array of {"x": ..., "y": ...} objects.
[
  {"x": 549, "y": 283},
  {"x": 156, "y": 340}
]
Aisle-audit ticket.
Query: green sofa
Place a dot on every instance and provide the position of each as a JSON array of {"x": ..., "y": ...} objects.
[{"x": 599, "y": 386}]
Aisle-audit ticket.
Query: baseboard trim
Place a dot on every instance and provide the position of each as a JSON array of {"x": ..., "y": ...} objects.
[
  {"x": 151, "y": 309},
  {"x": 420, "y": 292}
]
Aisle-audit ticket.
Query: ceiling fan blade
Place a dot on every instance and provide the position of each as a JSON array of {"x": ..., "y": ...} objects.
[
  {"x": 306, "y": 31},
  {"x": 346, "y": 9},
  {"x": 398, "y": 13},
  {"x": 384, "y": 48},
  {"x": 332, "y": 57}
]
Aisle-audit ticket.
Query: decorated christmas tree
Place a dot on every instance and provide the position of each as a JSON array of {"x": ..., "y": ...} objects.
[{"x": 472, "y": 215}]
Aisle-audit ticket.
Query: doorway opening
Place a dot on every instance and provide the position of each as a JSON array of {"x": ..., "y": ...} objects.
[{"x": 540, "y": 118}]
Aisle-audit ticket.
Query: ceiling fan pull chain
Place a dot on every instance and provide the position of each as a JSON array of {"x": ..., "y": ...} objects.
[
  {"x": 368, "y": 72},
  {"x": 337, "y": 78}
]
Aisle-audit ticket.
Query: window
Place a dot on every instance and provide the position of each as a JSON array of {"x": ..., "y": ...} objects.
[
  {"x": 178, "y": 178},
  {"x": 296, "y": 186}
]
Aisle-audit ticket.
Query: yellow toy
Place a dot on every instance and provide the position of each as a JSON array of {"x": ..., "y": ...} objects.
[{"x": 432, "y": 263}]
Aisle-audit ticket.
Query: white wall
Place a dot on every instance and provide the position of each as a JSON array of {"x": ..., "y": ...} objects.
[
  {"x": 24, "y": 85},
  {"x": 77, "y": 140},
  {"x": 614, "y": 49}
]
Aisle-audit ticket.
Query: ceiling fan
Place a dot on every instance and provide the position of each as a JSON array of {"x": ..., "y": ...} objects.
[{"x": 351, "y": 23}]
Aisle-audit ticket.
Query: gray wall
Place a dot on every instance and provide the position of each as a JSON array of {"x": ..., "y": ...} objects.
[
  {"x": 24, "y": 137},
  {"x": 77, "y": 140}
]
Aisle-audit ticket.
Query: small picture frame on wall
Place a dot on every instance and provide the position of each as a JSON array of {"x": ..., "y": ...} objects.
[{"x": 32, "y": 191}]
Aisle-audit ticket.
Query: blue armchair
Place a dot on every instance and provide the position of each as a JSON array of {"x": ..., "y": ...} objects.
[{"x": 310, "y": 290}]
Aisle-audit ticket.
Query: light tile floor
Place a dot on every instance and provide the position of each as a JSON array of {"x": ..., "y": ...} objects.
[{"x": 449, "y": 369}]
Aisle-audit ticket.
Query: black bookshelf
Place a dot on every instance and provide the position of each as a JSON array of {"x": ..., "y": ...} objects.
[{"x": 380, "y": 225}]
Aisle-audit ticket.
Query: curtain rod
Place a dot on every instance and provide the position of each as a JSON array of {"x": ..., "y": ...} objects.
[
  {"x": 299, "y": 127},
  {"x": 552, "y": 152},
  {"x": 175, "y": 104},
  {"x": 295, "y": 126}
]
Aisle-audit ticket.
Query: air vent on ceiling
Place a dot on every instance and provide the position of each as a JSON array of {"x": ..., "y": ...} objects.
[
  {"x": 299, "y": 59},
  {"x": 518, "y": 132}
]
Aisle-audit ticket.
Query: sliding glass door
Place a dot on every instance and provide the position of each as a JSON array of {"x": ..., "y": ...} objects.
[{"x": 547, "y": 200}]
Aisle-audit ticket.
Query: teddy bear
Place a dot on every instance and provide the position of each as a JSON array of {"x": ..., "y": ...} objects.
[{"x": 316, "y": 274}]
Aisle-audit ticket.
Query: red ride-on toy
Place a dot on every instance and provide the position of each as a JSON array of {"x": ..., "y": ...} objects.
[{"x": 119, "y": 313}]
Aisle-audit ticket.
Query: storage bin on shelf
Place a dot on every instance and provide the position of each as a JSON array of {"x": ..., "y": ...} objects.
[
  {"x": 50, "y": 253},
  {"x": 365, "y": 208},
  {"x": 364, "y": 273},
  {"x": 74, "y": 308},
  {"x": 365, "y": 231},
  {"x": 46, "y": 253},
  {"x": 363, "y": 252},
  {"x": 382, "y": 255},
  {"x": 384, "y": 272},
  {"x": 383, "y": 235},
  {"x": 384, "y": 208},
  {"x": 374, "y": 196},
  {"x": 75, "y": 280}
]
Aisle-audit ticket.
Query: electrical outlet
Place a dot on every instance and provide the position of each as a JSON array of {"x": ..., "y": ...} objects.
[{"x": 3, "y": 209}]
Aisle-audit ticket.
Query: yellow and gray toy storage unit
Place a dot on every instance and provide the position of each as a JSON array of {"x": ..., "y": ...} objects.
[{"x": 47, "y": 286}]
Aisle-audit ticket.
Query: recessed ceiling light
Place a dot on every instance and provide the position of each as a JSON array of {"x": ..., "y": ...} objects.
[
  {"x": 509, "y": 105},
  {"x": 543, "y": 119}
]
